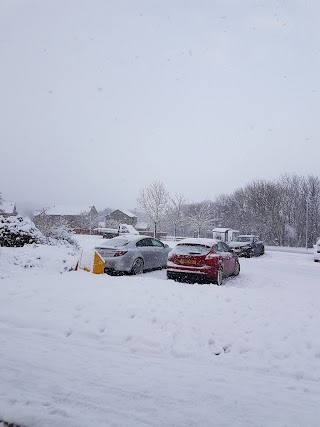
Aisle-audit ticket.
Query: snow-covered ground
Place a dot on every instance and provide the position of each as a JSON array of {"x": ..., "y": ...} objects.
[
  {"x": 290, "y": 249},
  {"x": 78, "y": 349}
]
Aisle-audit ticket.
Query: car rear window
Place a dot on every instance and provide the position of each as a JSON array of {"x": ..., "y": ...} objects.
[
  {"x": 115, "y": 243},
  {"x": 191, "y": 249}
]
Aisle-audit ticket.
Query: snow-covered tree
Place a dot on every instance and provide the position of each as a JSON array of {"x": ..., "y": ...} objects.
[
  {"x": 175, "y": 211},
  {"x": 154, "y": 201},
  {"x": 200, "y": 217}
]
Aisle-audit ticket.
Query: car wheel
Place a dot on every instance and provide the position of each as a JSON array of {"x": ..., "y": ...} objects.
[
  {"x": 316, "y": 260},
  {"x": 219, "y": 279},
  {"x": 262, "y": 251},
  {"x": 236, "y": 269},
  {"x": 137, "y": 267}
]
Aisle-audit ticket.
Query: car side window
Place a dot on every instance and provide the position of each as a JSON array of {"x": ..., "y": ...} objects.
[
  {"x": 225, "y": 247},
  {"x": 144, "y": 242},
  {"x": 219, "y": 247},
  {"x": 157, "y": 243}
]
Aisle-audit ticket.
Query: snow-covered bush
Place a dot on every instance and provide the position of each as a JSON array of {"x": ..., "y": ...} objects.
[
  {"x": 17, "y": 231},
  {"x": 60, "y": 234}
]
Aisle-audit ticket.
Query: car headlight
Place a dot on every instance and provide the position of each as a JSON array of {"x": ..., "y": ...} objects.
[{"x": 246, "y": 247}]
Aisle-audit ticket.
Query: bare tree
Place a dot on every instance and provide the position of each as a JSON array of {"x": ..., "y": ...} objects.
[
  {"x": 285, "y": 212},
  {"x": 175, "y": 211},
  {"x": 200, "y": 217},
  {"x": 154, "y": 200}
]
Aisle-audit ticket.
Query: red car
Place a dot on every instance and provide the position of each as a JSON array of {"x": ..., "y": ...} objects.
[{"x": 202, "y": 260}]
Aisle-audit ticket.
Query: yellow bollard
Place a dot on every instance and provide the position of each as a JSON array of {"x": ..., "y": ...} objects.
[{"x": 98, "y": 264}]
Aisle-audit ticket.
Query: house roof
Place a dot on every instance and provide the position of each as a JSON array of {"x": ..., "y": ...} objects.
[
  {"x": 7, "y": 207},
  {"x": 128, "y": 213},
  {"x": 224, "y": 230},
  {"x": 66, "y": 210}
]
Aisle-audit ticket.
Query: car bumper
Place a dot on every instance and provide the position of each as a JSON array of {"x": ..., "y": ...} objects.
[
  {"x": 200, "y": 273},
  {"x": 188, "y": 277},
  {"x": 117, "y": 265},
  {"x": 243, "y": 252}
]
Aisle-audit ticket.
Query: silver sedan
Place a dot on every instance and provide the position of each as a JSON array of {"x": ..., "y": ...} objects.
[{"x": 133, "y": 254}]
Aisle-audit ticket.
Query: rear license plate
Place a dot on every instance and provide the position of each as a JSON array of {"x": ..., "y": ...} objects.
[{"x": 188, "y": 261}]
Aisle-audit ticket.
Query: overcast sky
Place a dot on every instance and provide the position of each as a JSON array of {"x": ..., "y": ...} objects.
[{"x": 100, "y": 98}]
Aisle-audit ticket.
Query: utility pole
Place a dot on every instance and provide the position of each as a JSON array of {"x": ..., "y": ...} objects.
[
  {"x": 307, "y": 220},
  {"x": 90, "y": 218}
]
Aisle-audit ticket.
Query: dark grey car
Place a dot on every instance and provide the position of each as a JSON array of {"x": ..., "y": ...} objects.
[
  {"x": 247, "y": 245},
  {"x": 133, "y": 254}
]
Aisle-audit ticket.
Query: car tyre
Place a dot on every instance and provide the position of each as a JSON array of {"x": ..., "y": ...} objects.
[
  {"x": 316, "y": 260},
  {"x": 171, "y": 276},
  {"x": 137, "y": 266},
  {"x": 236, "y": 269},
  {"x": 219, "y": 280}
]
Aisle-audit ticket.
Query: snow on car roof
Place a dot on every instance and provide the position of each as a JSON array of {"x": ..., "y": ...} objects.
[
  {"x": 124, "y": 238},
  {"x": 199, "y": 241},
  {"x": 131, "y": 229}
]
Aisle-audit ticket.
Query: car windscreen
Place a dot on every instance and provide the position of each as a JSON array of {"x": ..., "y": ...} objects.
[
  {"x": 243, "y": 239},
  {"x": 191, "y": 249}
]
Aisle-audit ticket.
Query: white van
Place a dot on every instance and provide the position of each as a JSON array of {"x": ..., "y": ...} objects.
[{"x": 316, "y": 251}]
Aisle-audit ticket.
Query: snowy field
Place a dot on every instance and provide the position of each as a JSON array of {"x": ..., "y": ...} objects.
[{"x": 78, "y": 349}]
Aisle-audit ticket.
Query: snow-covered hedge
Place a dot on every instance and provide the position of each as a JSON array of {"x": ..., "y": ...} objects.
[
  {"x": 16, "y": 231},
  {"x": 58, "y": 235}
]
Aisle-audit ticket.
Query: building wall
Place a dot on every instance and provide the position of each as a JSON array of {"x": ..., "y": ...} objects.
[
  {"x": 45, "y": 222},
  {"x": 7, "y": 214},
  {"x": 121, "y": 217}
]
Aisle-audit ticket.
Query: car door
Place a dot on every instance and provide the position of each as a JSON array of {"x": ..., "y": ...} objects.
[
  {"x": 160, "y": 254},
  {"x": 145, "y": 249},
  {"x": 257, "y": 246},
  {"x": 261, "y": 246},
  {"x": 230, "y": 259},
  {"x": 223, "y": 257}
]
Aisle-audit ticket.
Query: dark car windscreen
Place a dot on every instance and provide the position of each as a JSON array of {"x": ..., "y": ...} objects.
[
  {"x": 191, "y": 249},
  {"x": 244, "y": 239}
]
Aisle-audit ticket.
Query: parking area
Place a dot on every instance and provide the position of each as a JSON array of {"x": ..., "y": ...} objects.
[{"x": 79, "y": 348}]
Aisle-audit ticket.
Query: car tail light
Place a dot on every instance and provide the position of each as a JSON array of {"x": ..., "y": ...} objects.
[
  {"x": 120, "y": 253},
  {"x": 211, "y": 256}
]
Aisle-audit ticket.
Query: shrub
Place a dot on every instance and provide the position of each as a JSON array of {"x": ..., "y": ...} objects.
[
  {"x": 16, "y": 231},
  {"x": 60, "y": 234}
]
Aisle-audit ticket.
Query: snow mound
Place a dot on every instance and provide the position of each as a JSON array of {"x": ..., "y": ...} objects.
[{"x": 37, "y": 259}]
